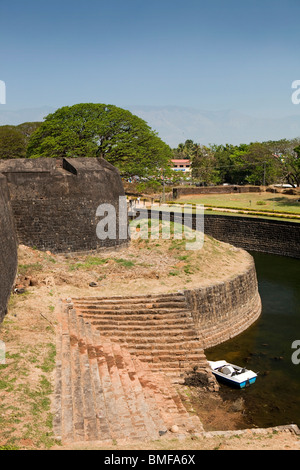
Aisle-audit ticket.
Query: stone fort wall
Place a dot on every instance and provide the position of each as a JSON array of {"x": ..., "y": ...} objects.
[
  {"x": 250, "y": 233},
  {"x": 51, "y": 204},
  {"x": 226, "y": 309},
  {"x": 227, "y": 189},
  {"x": 8, "y": 251},
  {"x": 254, "y": 234},
  {"x": 54, "y": 208},
  {"x": 54, "y": 201}
]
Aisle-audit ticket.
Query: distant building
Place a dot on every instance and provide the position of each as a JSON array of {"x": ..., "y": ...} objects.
[{"x": 182, "y": 165}]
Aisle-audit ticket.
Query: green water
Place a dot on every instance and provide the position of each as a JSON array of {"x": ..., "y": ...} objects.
[{"x": 266, "y": 347}]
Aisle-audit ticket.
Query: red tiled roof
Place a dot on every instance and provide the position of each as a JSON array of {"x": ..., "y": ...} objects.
[{"x": 187, "y": 162}]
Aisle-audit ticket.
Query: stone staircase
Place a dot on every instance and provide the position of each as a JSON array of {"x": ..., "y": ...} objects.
[
  {"x": 157, "y": 329},
  {"x": 104, "y": 392}
]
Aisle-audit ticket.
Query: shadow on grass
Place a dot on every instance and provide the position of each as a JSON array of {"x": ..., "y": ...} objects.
[{"x": 284, "y": 201}]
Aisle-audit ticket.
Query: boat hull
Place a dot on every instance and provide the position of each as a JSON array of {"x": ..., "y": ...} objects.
[
  {"x": 235, "y": 376},
  {"x": 232, "y": 383}
]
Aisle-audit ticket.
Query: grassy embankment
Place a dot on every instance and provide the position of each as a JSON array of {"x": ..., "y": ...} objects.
[{"x": 265, "y": 204}]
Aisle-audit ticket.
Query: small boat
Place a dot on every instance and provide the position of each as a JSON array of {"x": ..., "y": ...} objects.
[{"x": 231, "y": 374}]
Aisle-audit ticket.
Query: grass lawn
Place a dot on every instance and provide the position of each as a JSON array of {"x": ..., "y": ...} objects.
[{"x": 264, "y": 201}]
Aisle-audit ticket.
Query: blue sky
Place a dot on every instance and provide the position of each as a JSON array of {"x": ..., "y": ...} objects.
[{"x": 208, "y": 55}]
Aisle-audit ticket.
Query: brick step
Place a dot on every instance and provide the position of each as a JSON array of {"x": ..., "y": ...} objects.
[
  {"x": 176, "y": 358},
  {"x": 149, "y": 332},
  {"x": 95, "y": 414},
  {"x": 137, "y": 315},
  {"x": 137, "y": 298},
  {"x": 129, "y": 420},
  {"x": 153, "y": 336},
  {"x": 85, "y": 424},
  {"x": 149, "y": 323},
  {"x": 133, "y": 316},
  {"x": 166, "y": 398},
  {"x": 140, "y": 344},
  {"x": 164, "y": 363},
  {"x": 126, "y": 397},
  {"x": 169, "y": 332},
  {"x": 105, "y": 393},
  {"x": 131, "y": 305},
  {"x": 152, "y": 390},
  {"x": 143, "y": 411},
  {"x": 171, "y": 371},
  {"x": 144, "y": 327},
  {"x": 169, "y": 361},
  {"x": 167, "y": 357},
  {"x": 163, "y": 359},
  {"x": 175, "y": 376},
  {"x": 165, "y": 351},
  {"x": 131, "y": 311}
]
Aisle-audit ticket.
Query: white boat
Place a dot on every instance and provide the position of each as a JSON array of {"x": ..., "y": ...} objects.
[{"x": 232, "y": 375}]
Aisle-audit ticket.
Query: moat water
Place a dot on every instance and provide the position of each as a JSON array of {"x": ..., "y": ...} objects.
[{"x": 266, "y": 347}]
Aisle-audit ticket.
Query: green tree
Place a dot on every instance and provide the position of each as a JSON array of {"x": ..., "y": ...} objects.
[
  {"x": 224, "y": 163},
  {"x": 291, "y": 167},
  {"x": 284, "y": 161},
  {"x": 14, "y": 139},
  {"x": 204, "y": 166},
  {"x": 252, "y": 163},
  {"x": 12, "y": 143},
  {"x": 263, "y": 169},
  {"x": 90, "y": 130},
  {"x": 27, "y": 129},
  {"x": 184, "y": 150}
]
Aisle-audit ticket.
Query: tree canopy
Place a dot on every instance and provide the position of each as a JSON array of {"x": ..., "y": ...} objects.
[
  {"x": 125, "y": 140},
  {"x": 90, "y": 130},
  {"x": 204, "y": 165},
  {"x": 257, "y": 163},
  {"x": 14, "y": 139}
]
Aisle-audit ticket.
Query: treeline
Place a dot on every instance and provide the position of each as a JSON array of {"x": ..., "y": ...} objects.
[
  {"x": 258, "y": 163},
  {"x": 91, "y": 130},
  {"x": 14, "y": 139}
]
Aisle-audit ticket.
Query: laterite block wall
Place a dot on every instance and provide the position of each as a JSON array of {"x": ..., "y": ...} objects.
[
  {"x": 225, "y": 309},
  {"x": 8, "y": 248},
  {"x": 54, "y": 202}
]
